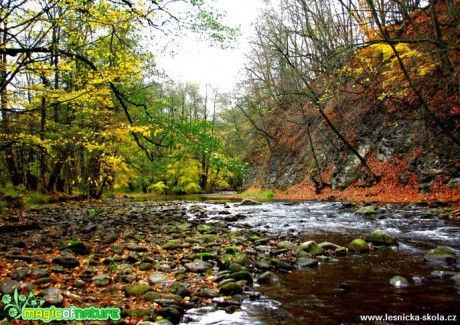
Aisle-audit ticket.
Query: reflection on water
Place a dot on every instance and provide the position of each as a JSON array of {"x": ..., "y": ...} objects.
[
  {"x": 342, "y": 288},
  {"x": 255, "y": 312}
]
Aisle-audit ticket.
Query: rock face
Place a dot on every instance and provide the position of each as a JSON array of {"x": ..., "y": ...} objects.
[{"x": 427, "y": 152}]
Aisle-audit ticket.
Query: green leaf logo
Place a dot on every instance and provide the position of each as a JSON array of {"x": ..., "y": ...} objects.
[{"x": 14, "y": 305}]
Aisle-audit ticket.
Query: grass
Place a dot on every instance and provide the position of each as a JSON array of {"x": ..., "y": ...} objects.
[
  {"x": 269, "y": 194},
  {"x": 37, "y": 198}
]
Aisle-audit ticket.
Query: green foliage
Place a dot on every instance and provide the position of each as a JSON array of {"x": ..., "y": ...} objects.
[
  {"x": 183, "y": 176},
  {"x": 236, "y": 171},
  {"x": 21, "y": 188},
  {"x": 210, "y": 22},
  {"x": 158, "y": 188},
  {"x": 269, "y": 194},
  {"x": 12, "y": 191},
  {"x": 205, "y": 256},
  {"x": 109, "y": 194},
  {"x": 113, "y": 266},
  {"x": 93, "y": 212},
  {"x": 190, "y": 188},
  {"x": 87, "y": 111},
  {"x": 38, "y": 198},
  {"x": 10, "y": 196},
  {"x": 232, "y": 250}
]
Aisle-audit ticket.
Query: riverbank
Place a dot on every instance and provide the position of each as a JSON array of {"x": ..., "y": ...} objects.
[
  {"x": 145, "y": 258},
  {"x": 442, "y": 196},
  {"x": 156, "y": 261}
]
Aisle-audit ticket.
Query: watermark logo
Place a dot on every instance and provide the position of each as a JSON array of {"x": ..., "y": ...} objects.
[
  {"x": 14, "y": 305},
  {"x": 20, "y": 306}
]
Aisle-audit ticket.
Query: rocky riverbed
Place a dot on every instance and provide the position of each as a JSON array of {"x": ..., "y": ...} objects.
[{"x": 160, "y": 261}]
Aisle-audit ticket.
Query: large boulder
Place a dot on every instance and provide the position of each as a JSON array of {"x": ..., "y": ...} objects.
[
  {"x": 441, "y": 254},
  {"x": 242, "y": 275},
  {"x": 231, "y": 288},
  {"x": 311, "y": 247},
  {"x": 304, "y": 262},
  {"x": 249, "y": 202},
  {"x": 286, "y": 245},
  {"x": 358, "y": 246},
  {"x": 380, "y": 238}
]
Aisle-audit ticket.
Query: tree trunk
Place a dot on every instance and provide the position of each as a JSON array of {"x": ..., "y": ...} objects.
[
  {"x": 55, "y": 175},
  {"x": 9, "y": 154}
]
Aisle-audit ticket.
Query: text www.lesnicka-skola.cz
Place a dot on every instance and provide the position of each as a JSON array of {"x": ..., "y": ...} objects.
[{"x": 409, "y": 318}]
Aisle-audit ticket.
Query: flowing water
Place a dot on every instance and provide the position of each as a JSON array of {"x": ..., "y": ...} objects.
[{"x": 342, "y": 288}]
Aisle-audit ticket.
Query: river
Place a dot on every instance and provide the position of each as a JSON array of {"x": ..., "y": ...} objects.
[{"x": 344, "y": 288}]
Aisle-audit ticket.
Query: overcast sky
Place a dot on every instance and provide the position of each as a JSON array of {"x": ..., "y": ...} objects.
[{"x": 199, "y": 62}]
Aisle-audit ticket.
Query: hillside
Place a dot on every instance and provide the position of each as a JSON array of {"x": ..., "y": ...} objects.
[{"x": 399, "y": 110}]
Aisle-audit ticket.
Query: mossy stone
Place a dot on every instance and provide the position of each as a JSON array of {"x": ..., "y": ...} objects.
[
  {"x": 231, "y": 288},
  {"x": 367, "y": 210},
  {"x": 441, "y": 254},
  {"x": 136, "y": 313},
  {"x": 358, "y": 246},
  {"x": 241, "y": 275},
  {"x": 137, "y": 290},
  {"x": 249, "y": 202},
  {"x": 75, "y": 246},
  {"x": 152, "y": 296},
  {"x": 242, "y": 259},
  {"x": 311, "y": 247},
  {"x": 204, "y": 256},
  {"x": 171, "y": 245},
  {"x": 380, "y": 238}
]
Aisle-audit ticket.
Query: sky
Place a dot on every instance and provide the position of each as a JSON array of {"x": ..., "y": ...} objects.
[{"x": 198, "y": 62}]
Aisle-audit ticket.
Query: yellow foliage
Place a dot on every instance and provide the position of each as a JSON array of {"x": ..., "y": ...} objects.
[
  {"x": 393, "y": 82},
  {"x": 184, "y": 176}
]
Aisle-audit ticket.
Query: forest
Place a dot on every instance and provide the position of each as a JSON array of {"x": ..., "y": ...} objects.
[
  {"x": 336, "y": 96},
  {"x": 327, "y": 182}
]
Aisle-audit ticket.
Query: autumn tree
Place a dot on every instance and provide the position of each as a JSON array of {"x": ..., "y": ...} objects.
[
  {"x": 69, "y": 72},
  {"x": 306, "y": 41},
  {"x": 434, "y": 52}
]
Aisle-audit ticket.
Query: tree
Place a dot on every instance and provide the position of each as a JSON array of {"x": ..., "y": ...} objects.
[
  {"x": 301, "y": 38},
  {"x": 68, "y": 70},
  {"x": 394, "y": 43}
]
